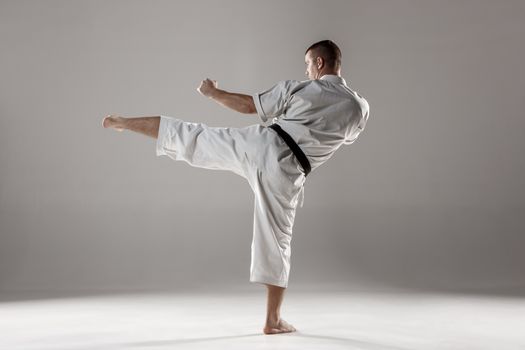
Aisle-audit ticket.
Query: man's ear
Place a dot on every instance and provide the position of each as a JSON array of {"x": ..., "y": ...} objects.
[{"x": 320, "y": 63}]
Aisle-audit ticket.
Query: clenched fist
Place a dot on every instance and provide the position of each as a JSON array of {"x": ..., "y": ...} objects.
[{"x": 207, "y": 87}]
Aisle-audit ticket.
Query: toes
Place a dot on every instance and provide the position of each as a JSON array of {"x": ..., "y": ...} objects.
[{"x": 288, "y": 327}]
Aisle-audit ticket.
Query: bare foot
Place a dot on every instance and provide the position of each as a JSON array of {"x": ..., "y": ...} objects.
[
  {"x": 280, "y": 327},
  {"x": 112, "y": 121}
]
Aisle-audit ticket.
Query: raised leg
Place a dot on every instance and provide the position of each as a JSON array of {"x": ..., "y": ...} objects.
[
  {"x": 274, "y": 323},
  {"x": 148, "y": 126}
]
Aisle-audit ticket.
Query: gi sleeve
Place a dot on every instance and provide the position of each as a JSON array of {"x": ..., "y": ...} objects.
[{"x": 272, "y": 102}]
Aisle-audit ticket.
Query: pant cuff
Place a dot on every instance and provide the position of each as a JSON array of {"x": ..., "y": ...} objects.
[
  {"x": 268, "y": 280},
  {"x": 163, "y": 126}
]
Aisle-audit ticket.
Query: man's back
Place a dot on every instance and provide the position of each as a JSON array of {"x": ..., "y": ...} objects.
[{"x": 320, "y": 115}]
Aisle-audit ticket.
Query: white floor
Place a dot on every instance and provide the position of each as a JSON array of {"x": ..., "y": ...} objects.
[{"x": 226, "y": 321}]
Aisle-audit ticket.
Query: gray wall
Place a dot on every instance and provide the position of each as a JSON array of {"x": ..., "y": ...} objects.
[{"x": 431, "y": 195}]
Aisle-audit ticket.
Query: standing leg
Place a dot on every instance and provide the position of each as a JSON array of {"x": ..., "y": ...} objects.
[
  {"x": 148, "y": 126},
  {"x": 274, "y": 323},
  {"x": 274, "y": 213}
]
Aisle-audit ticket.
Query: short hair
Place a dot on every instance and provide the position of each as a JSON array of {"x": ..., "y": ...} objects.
[{"x": 329, "y": 51}]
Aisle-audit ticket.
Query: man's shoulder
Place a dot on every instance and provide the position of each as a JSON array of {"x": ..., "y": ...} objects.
[
  {"x": 291, "y": 86},
  {"x": 292, "y": 82}
]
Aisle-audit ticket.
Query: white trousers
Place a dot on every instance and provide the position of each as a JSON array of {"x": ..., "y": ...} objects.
[{"x": 259, "y": 155}]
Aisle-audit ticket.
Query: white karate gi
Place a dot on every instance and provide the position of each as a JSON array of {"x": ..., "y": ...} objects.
[{"x": 320, "y": 115}]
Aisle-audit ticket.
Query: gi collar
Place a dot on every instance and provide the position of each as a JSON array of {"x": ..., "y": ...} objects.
[{"x": 333, "y": 78}]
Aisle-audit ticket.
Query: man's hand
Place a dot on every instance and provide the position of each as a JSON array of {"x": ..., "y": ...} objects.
[{"x": 207, "y": 87}]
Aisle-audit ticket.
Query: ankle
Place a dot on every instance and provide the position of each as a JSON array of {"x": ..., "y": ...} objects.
[{"x": 273, "y": 318}]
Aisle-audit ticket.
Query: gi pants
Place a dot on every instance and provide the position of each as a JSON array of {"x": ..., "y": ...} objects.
[{"x": 259, "y": 155}]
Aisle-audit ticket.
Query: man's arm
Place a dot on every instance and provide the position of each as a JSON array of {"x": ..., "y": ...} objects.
[{"x": 238, "y": 102}]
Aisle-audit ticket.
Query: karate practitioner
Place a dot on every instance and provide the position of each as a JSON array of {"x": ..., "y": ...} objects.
[{"x": 311, "y": 119}]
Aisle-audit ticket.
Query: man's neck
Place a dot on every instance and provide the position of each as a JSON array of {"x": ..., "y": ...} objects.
[{"x": 329, "y": 73}]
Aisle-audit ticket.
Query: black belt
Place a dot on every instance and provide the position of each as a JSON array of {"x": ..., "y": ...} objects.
[{"x": 301, "y": 157}]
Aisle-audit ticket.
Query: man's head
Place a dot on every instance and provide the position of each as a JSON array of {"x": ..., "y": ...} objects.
[{"x": 323, "y": 57}]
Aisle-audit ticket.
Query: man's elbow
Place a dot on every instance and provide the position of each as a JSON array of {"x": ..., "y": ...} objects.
[{"x": 249, "y": 108}]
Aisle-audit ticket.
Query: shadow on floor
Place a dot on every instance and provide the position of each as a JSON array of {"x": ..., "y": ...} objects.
[
  {"x": 350, "y": 342},
  {"x": 190, "y": 340}
]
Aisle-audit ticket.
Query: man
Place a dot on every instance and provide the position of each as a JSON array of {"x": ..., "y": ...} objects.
[{"x": 311, "y": 120}]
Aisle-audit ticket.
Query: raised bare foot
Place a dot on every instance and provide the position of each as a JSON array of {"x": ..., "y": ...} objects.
[
  {"x": 112, "y": 121},
  {"x": 278, "y": 327}
]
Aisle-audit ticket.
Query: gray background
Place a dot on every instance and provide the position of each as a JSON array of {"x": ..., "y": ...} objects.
[{"x": 431, "y": 195}]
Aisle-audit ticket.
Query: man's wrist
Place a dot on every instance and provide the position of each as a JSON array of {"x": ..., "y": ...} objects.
[{"x": 215, "y": 93}]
